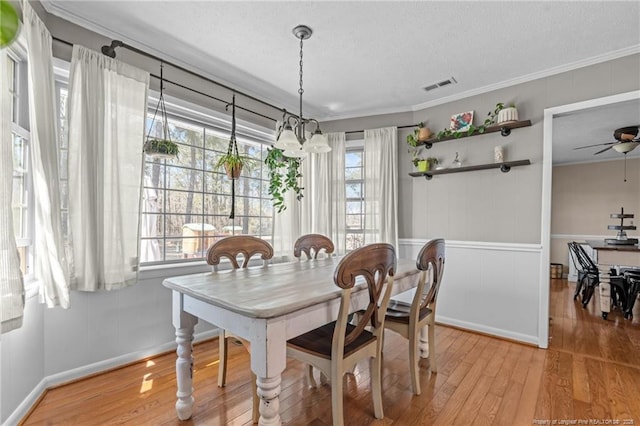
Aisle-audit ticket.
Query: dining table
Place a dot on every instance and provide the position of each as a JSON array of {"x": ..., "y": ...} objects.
[{"x": 266, "y": 305}]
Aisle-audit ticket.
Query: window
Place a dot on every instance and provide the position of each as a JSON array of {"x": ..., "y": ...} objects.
[
  {"x": 22, "y": 197},
  {"x": 187, "y": 202},
  {"x": 354, "y": 192}
]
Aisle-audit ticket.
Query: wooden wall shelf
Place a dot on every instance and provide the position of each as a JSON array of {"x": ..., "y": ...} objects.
[
  {"x": 504, "y": 167},
  {"x": 503, "y": 128}
]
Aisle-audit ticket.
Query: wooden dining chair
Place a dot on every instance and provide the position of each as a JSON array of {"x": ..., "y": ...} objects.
[
  {"x": 409, "y": 320},
  {"x": 231, "y": 248},
  {"x": 335, "y": 348},
  {"x": 311, "y": 245}
]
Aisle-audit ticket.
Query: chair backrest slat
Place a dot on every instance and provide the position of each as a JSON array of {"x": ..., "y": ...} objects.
[
  {"x": 430, "y": 261},
  {"x": 233, "y": 246},
  {"x": 376, "y": 263},
  {"x": 311, "y": 244}
]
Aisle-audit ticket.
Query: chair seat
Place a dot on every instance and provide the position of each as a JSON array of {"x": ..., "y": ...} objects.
[
  {"x": 399, "y": 312},
  {"x": 319, "y": 341}
]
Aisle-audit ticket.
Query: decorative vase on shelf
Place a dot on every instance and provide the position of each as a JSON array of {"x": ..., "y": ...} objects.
[
  {"x": 423, "y": 166},
  {"x": 423, "y": 134},
  {"x": 498, "y": 154},
  {"x": 507, "y": 115},
  {"x": 457, "y": 162}
]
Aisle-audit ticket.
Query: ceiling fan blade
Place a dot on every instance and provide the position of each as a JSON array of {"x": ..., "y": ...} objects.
[
  {"x": 598, "y": 144},
  {"x": 603, "y": 150}
]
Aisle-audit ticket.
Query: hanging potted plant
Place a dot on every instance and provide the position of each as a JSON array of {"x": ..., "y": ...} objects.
[
  {"x": 161, "y": 148},
  {"x": 232, "y": 161},
  {"x": 283, "y": 176}
]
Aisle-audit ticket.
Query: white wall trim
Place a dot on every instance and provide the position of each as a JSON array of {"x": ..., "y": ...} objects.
[
  {"x": 77, "y": 373},
  {"x": 479, "y": 245},
  {"x": 497, "y": 332}
]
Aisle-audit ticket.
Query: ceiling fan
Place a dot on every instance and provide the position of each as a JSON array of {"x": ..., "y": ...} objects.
[{"x": 626, "y": 140}]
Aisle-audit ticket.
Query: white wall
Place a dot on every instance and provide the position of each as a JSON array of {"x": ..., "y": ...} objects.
[{"x": 99, "y": 331}]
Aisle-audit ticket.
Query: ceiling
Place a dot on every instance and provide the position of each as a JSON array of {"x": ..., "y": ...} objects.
[
  {"x": 367, "y": 58},
  {"x": 593, "y": 126}
]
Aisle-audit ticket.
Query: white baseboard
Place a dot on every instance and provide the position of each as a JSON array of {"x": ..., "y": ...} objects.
[
  {"x": 488, "y": 330},
  {"x": 77, "y": 373}
]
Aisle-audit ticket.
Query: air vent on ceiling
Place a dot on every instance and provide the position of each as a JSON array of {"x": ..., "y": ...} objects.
[{"x": 440, "y": 84}]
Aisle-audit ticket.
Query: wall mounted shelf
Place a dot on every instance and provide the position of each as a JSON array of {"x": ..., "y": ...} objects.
[
  {"x": 504, "y": 167},
  {"x": 503, "y": 128}
]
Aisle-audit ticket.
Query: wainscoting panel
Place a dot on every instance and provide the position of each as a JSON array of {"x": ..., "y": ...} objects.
[{"x": 491, "y": 288}]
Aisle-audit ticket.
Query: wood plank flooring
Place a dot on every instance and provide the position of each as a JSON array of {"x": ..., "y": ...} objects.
[{"x": 589, "y": 375}]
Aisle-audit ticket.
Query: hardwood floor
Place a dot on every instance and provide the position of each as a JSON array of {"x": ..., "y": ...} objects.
[{"x": 589, "y": 375}]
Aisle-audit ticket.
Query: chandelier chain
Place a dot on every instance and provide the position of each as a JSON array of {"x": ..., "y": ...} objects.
[{"x": 301, "y": 90}]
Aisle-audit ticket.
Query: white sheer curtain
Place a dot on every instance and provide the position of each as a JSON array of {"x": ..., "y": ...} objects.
[
  {"x": 107, "y": 111},
  {"x": 11, "y": 288},
  {"x": 50, "y": 266},
  {"x": 323, "y": 209},
  {"x": 381, "y": 185}
]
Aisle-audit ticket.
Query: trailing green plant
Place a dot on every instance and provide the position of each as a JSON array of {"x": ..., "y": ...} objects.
[
  {"x": 161, "y": 146},
  {"x": 491, "y": 119},
  {"x": 283, "y": 176}
]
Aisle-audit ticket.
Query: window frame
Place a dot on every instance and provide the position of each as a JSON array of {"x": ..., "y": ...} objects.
[
  {"x": 355, "y": 146},
  {"x": 19, "y": 127},
  {"x": 218, "y": 124}
]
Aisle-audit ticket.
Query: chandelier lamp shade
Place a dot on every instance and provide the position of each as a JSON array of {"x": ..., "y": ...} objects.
[{"x": 291, "y": 137}]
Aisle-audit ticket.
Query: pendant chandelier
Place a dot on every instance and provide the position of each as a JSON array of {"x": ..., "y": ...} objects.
[{"x": 291, "y": 137}]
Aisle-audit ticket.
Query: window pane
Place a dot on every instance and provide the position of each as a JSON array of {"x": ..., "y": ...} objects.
[
  {"x": 353, "y": 159},
  {"x": 353, "y": 173},
  {"x": 190, "y": 190},
  {"x": 354, "y": 190},
  {"x": 354, "y": 207},
  {"x": 354, "y": 221}
]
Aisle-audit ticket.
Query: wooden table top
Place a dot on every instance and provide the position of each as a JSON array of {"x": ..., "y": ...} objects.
[
  {"x": 267, "y": 292},
  {"x": 601, "y": 245}
]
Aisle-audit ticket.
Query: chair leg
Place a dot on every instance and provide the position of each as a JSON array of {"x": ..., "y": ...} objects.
[
  {"x": 413, "y": 362},
  {"x": 433, "y": 365},
  {"x": 579, "y": 284},
  {"x": 222, "y": 354},
  {"x": 255, "y": 415},
  {"x": 376, "y": 386},
  {"x": 336, "y": 397},
  {"x": 312, "y": 380}
]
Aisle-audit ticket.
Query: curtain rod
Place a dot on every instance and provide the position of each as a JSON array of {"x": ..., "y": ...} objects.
[{"x": 110, "y": 51}]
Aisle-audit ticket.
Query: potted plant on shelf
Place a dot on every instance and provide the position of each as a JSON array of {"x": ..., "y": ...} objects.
[
  {"x": 415, "y": 147},
  {"x": 432, "y": 162},
  {"x": 508, "y": 114},
  {"x": 423, "y": 132}
]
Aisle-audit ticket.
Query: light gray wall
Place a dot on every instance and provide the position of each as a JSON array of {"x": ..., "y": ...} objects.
[{"x": 489, "y": 205}]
